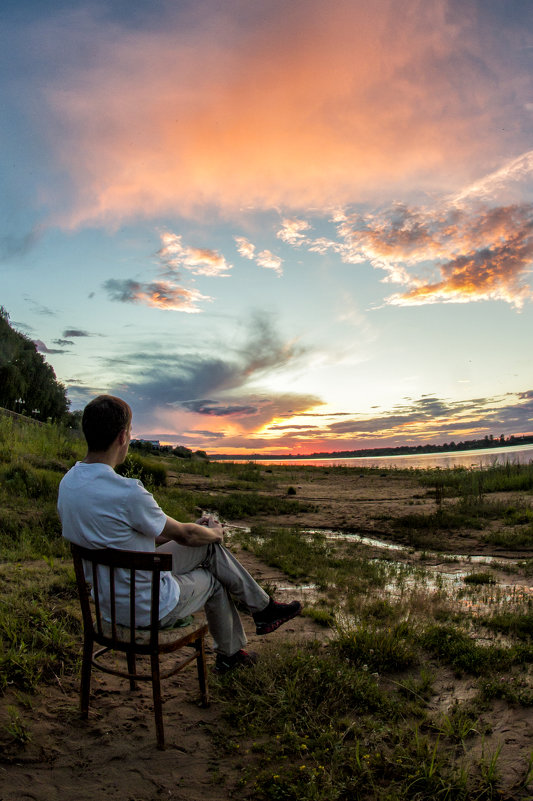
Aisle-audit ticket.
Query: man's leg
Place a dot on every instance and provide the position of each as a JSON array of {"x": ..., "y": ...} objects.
[
  {"x": 219, "y": 561},
  {"x": 222, "y": 616},
  {"x": 199, "y": 589}
]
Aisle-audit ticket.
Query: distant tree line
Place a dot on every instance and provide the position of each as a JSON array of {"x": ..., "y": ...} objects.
[
  {"x": 402, "y": 450},
  {"x": 28, "y": 385}
]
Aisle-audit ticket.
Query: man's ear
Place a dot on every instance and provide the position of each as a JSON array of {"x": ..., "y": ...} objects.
[{"x": 123, "y": 437}]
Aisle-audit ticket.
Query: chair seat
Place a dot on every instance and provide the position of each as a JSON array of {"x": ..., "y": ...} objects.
[{"x": 165, "y": 636}]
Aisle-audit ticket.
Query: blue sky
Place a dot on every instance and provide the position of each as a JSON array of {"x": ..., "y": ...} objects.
[{"x": 279, "y": 227}]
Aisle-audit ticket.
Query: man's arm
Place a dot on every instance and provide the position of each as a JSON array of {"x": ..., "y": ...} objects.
[{"x": 191, "y": 534}]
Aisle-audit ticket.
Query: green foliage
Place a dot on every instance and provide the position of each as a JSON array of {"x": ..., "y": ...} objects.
[
  {"x": 377, "y": 649},
  {"x": 238, "y": 505},
  {"x": 515, "y": 540},
  {"x": 27, "y": 383},
  {"x": 39, "y": 636},
  {"x": 151, "y": 473},
  {"x": 480, "y": 578},
  {"x": 475, "y": 482},
  {"x": 17, "y": 730},
  {"x": 321, "y": 614},
  {"x": 21, "y": 479},
  {"x": 519, "y": 624},
  {"x": 325, "y": 730},
  {"x": 464, "y": 654}
]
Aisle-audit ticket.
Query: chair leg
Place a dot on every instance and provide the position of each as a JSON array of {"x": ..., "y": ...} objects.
[
  {"x": 158, "y": 707},
  {"x": 132, "y": 669},
  {"x": 202, "y": 670},
  {"x": 86, "y": 667}
]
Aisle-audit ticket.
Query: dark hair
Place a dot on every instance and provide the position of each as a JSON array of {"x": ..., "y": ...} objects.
[{"x": 103, "y": 420}]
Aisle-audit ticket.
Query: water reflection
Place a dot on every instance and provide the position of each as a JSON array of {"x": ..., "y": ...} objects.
[{"x": 445, "y": 577}]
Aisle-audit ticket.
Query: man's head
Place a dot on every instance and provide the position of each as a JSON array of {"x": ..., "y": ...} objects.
[{"x": 104, "y": 418}]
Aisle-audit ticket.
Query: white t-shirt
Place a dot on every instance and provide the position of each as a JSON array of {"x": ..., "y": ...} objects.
[{"x": 100, "y": 509}]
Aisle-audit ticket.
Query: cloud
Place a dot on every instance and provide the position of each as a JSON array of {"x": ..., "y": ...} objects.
[
  {"x": 292, "y": 231},
  {"x": 12, "y": 246},
  {"x": 39, "y": 308},
  {"x": 216, "y": 409},
  {"x": 160, "y": 294},
  {"x": 179, "y": 389},
  {"x": 264, "y": 259},
  {"x": 245, "y": 248},
  {"x": 267, "y": 260},
  {"x": 76, "y": 332},
  {"x": 294, "y": 106},
  {"x": 42, "y": 348},
  {"x": 200, "y": 261},
  {"x": 63, "y": 342},
  {"x": 478, "y": 252},
  {"x": 430, "y": 418}
]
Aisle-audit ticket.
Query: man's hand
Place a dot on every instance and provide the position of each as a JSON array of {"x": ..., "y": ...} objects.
[{"x": 193, "y": 534}]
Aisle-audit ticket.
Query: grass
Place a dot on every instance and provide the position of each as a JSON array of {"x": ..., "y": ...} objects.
[
  {"x": 310, "y": 725},
  {"x": 39, "y": 625},
  {"x": 353, "y": 716}
]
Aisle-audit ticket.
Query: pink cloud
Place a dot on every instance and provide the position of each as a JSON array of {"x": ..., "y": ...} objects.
[{"x": 299, "y": 105}]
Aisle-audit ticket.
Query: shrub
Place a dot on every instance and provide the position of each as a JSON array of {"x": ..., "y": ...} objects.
[{"x": 149, "y": 472}]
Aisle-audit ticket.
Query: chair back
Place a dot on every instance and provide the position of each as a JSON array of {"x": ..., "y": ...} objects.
[{"x": 110, "y": 632}]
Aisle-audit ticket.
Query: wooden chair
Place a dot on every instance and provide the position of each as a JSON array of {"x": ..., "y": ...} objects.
[{"x": 132, "y": 641}]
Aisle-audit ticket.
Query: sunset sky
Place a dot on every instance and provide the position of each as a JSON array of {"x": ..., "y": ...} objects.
[{"x": 286, "y": 227}]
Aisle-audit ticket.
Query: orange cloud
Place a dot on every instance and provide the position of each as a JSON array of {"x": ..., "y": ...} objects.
[
  {"x": 200, "y": 261},
  {"x": 487, "y": 252},
  {"x": 295, "y": 105}
]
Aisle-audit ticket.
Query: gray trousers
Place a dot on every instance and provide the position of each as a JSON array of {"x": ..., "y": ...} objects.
[{"x": 207, "y": 576}]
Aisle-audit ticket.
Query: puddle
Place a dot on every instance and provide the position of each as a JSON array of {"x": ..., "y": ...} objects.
[{"x": 445, "y": 576}]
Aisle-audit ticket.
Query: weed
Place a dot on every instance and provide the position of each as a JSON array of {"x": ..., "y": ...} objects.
[
  {"x": 465, "y": 655},
  {"x": 17, "y": 729},
  {"x": 322, "y": 615},
  {"x": 377, "y": 649},
  {"x": 151, "y": 473}
]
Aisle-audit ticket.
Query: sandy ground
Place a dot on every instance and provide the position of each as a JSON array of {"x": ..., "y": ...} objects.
[{"x": 114, "y": 752}]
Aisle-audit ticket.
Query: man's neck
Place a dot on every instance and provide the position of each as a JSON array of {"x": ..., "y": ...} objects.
[{"x": 105, "y": 457}]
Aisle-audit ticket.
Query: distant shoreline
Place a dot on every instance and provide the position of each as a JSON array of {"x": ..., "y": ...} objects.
[{"x": 403, "y": 450}]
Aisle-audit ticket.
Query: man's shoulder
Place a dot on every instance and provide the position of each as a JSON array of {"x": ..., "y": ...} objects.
[{"x": 98, "y": 477}]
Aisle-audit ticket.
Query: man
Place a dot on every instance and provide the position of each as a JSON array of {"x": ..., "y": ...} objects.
[{"x": 99, "y": 509}]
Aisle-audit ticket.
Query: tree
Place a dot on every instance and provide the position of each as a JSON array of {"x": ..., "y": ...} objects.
[{"x": 27, "y": 383}]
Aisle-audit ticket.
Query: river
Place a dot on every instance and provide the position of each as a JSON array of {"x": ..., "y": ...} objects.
[{"x": 483, "y": 457}]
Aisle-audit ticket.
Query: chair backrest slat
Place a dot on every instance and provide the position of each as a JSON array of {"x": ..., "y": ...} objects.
[
  {"x": 112, "y": 601},
  {"x": 154, "y": 612},
  {"x": 132, "y": 605},
  {"x": 96, "y": 592}
]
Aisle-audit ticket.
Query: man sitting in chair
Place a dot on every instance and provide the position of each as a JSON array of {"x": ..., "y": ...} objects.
[{"x": 100, "y": 509}]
